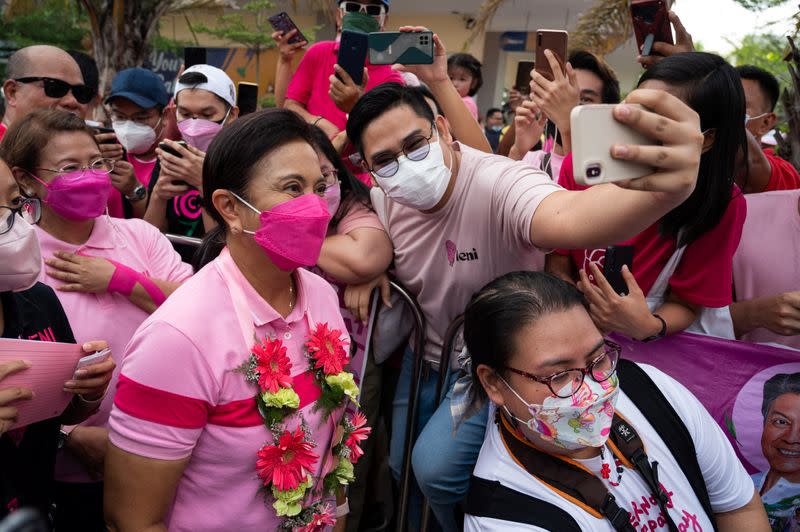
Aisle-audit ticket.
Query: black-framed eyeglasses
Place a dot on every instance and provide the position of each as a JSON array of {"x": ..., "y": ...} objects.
[
  {"x": 415, "y": 148},
  {"x": 565, "y": 383},
  {"x": 98, "y": 166},
  {"x": 29, "y": 209},
  {"x": 57, "y": 88},
  {"x": 373, "y": 10}
]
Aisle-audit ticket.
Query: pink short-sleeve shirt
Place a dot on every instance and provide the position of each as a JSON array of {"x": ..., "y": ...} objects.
[
  {"x": 104, "y": 316},
  {"x": 194, "y": 404}
]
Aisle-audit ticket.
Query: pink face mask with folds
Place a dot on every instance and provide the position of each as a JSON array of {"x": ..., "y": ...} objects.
[
  {"x": 199, "y": 132},
  {"x": 80, "y": 195},
  {"x": 292, "y": 232}
]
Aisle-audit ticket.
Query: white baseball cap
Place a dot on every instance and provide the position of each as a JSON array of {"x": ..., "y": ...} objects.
[{"x": 218, "y": 83}]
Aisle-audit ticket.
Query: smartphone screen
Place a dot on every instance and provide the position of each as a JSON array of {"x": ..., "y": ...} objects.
[
  {"x": 523, "y": 81},
  {"x": 616, "y": 258},
  {"x": 194, "y": 56},
  {"x": 247, "y": 98}
]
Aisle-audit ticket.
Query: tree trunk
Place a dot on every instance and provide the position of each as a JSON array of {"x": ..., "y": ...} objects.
[
  {"x": 789, "y": 148},
  {"x": 121, "y": 30}
]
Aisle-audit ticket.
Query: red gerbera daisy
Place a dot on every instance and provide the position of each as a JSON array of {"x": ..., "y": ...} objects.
[
  {"x": 328, "y": 350},
  {"x": 359, "y": 434},
  {"x": 287, "y": 464},
  {"x": 319, "y": 520},
  {"x": 273, "y": 366}
]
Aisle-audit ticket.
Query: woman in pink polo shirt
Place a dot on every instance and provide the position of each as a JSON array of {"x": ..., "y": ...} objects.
[
  {"x": 109, "y": 274},
  {"x": 243, "y": 426}
]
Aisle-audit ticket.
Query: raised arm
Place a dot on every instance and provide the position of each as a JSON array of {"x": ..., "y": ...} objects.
[
  {"x": 610, "y": 213},
  {"x": 465, "y": 128},
  {"x": 283, "y": 72},
  {"x": 357, "y": 257}
]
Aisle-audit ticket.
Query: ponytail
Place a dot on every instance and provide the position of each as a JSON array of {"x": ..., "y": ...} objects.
[{"x": 212, "y": 246}]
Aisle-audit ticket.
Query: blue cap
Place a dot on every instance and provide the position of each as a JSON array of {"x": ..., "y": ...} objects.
[{"x": 141, "y": 86}]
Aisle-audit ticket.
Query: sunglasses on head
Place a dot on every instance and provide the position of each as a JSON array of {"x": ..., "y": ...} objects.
[{"x": 56, "y": 88}]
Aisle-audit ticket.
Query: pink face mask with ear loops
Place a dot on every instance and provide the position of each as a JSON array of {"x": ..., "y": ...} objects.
[
  {"x": 292, "y": 232},
  {"x": 80, "y": 195}
]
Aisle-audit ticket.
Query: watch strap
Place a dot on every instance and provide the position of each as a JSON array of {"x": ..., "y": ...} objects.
[{"x": 660, "y": 334}]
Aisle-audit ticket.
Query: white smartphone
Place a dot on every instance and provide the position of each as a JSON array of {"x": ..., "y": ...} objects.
[
  {"x": 94, "y": 358},
  {"x": 594, "y": 132}
]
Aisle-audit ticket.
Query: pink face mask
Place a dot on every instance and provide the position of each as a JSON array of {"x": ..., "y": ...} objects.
[
  {"x": 292, "y": 232},
  {"x": 199, "y": 132},
  {"x": 333, "y": 197},
  {"x": 80, "y": 195}
]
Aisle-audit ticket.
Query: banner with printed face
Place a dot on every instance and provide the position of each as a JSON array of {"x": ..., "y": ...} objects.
[{"x": 753, "y": 392}]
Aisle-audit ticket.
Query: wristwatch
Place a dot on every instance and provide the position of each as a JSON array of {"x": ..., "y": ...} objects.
[
  {"x": 139, "y": 193},
  {"x": 660, "y": 334},
  {"x": 63, "y": 435}
]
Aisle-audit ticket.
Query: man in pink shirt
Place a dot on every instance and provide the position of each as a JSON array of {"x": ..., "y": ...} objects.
[
  {"x": 766, "y": 270},
  {"x": 316, "y": 93}
]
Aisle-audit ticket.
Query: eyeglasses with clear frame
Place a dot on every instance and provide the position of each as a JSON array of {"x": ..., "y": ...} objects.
[
  {"x": 373, "y": 10},
  {"x": 29, "y": 209},
  {"x": 601, "y": 368},
  {"x": 415, "y": 148},
  {"x": 97, "y": 166}
]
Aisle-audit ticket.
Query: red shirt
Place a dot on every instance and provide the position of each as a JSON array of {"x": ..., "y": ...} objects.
[
  {"x": 311, "y": 83},
  {"x": 142, "y": 170},
  {"x": 704, "y": 276},
  {"x": 784, "y": 176},
  {"x": 3, "y": 130}
]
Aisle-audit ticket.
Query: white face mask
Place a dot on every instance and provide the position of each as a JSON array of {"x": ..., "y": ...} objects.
[
  {"x": 135, "y": 137},
  {"x": 418, "y": 184},
  {"x": 20, "y": 257},
  {"x": 582, "y": 420}
]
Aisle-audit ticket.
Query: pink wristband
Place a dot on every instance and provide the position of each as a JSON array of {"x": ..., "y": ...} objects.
[
  {"x": 123, "y": 280},
  {"x": 152, "y": 290}
]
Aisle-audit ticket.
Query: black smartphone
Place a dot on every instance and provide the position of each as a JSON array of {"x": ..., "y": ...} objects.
[
  {"x": 523, "y": 82},
  {"x": 616, "y": 258},
  {"x": 247, "y": 97},
  {"x": 194, "y": 56},
  {"x": 353, "y": 49},
  {"x": 283, "y": 22},
  {"x": 102, "y": 130},
  {"x": 172, "y": 151}
]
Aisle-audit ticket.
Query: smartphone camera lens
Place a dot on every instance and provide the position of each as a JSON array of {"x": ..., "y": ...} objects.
[{"x": 593, "y": 171}]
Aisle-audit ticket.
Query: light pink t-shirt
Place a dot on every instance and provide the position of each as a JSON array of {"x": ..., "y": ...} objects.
[
  {"x": 536, "y": 159},
  {"x": 469, "y": 101},
  {"x": 481, "y": 233},
  {"x": 142, "y": 170},
  {"x": 110, "y": 317},
  {"x": 766, "y": 263},
  {"x": 358, "y": 217},
  {"x": 180, "y": 397}
]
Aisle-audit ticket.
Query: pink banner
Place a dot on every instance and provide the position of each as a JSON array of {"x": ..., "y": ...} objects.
[{"x": 753, "y": 392}]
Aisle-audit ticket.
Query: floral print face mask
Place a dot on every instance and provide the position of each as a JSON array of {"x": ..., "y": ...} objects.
[{"x": 571, "y": 423}]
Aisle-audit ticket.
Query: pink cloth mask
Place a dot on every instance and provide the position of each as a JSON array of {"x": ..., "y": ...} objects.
[
  {"x": 292, "y": 232},
  {"x": 199, "y": 132},
  {"x": 80, "y": 195}
]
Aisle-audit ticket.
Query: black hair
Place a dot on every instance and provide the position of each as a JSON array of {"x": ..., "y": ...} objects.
[
  {"x": 583, "y": 60},
  {"x": 378, "y": 101},
  {"x": 353, "y": 190},
  {"x": 471, "y": 64},
  {"x": 767, "y": 82},
  {"x": 230, "y": 163},
  {"x": 427, "y": 94},
  {"x": 88, "y": 66},
  {"x": 502, "y": 308},
  {"x": 710, "y": 86},
  {"x": 777, "y": 385},
  {"x": 198, "y": 78},
  {"x": 492, "y": 111}
]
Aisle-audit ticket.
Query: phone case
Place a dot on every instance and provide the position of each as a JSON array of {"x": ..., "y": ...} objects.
[
  {"x": 556, "y": 42},
  {"x": 405, "y": 48},
  {"x": 615, "y": 258},
  {"x": 247, "y": 97},
  {"x": 353, "y": 54},
  {"x": 650, "y": 23},
  {"x": 523, "y": 81},
  {"x": 594, "y": 132},
  {"x": 282, "y": 22}
]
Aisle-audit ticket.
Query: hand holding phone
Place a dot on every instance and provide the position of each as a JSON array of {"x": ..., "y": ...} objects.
[
  {"x": 94, "y": 358},
  {"x": 617, "y": 257},
  {"x": 165, "y": 147},
  {"x": 556, "y": 42},
  {"x": 283, "y": 23},
  {"x": 352, "y": 57},
  {"x": 650, "y": 24}
]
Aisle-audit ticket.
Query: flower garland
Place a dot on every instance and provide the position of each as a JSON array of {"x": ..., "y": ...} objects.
[{"x": 285, "y": 465}]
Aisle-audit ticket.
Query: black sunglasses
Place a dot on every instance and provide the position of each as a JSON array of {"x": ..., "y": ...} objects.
[{"x": 56, "y": 88}]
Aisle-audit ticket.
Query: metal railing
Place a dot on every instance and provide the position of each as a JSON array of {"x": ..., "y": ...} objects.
[{"x": 185, "y": 240}]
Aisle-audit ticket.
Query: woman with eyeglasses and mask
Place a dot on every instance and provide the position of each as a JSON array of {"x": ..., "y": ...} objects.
[
  {"x": 30, "y": 310},
  {"x": 252, "y": 434},
  {"x": 109, "y": 274},
  {"x": 557, "y": 396}
]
